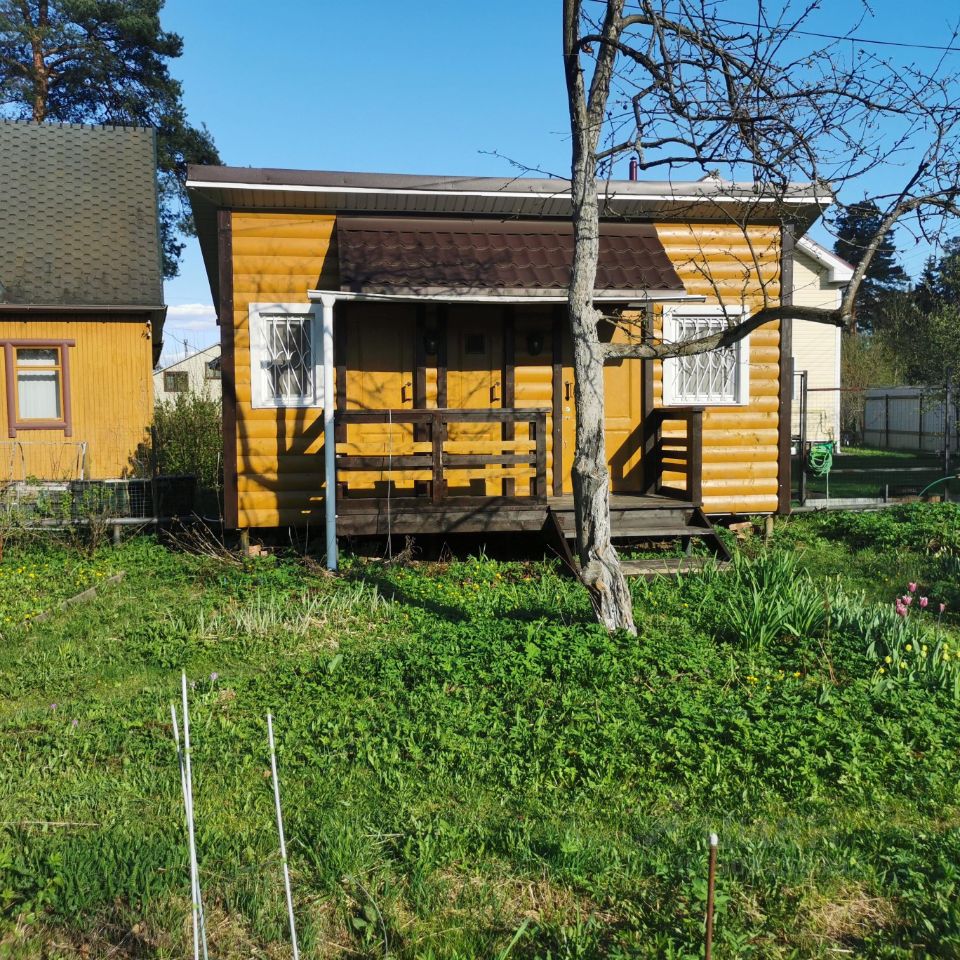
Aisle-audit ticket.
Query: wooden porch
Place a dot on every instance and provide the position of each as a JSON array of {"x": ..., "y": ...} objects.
[{"x": 423, "y": 476}]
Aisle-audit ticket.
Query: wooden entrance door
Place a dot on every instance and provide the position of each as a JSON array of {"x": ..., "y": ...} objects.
[
  {"x": 474, "y": 381},
  {"x": 379, "y": 376},
  {"x": 623, "y": 395}
]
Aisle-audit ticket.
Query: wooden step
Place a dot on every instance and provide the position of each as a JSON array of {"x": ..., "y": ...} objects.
[{"x": 668, "y": 566}]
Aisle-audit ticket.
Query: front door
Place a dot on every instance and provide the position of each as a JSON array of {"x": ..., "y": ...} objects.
[{"x": 623, "y": 398}]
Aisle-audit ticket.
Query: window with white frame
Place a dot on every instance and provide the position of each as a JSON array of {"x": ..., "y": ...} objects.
[
  {"x": 285, "y": 361},
  {"x": 719, "y": 377}
]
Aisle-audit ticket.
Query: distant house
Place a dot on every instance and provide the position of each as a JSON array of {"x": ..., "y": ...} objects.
[
  {"x": 819, "y": 279},
  {"x": 199, "y": 372},
  {"x": 81, "y": 298}
]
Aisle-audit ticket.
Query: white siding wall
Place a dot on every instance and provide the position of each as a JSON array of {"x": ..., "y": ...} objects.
[
  {"x": 816, "y": 349},
  {"x": 195, "y": 368}
]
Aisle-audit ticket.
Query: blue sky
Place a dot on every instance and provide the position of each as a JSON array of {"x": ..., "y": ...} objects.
[{"x": 421, "y": 86}]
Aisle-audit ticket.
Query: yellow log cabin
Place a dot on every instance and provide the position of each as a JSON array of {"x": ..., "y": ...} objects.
[
  {"x": 403, "y": 341},
  {"x": 81, "y": 299}
]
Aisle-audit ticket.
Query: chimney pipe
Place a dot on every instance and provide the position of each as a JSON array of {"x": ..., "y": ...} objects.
[{"x": 634, "y": 166}]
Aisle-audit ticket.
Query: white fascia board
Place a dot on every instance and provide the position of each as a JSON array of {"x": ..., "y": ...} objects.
[
  {"x": 825, "y": 199},
  {"x": 603, "y": 296},
  {"x": 839, "y": 270}
]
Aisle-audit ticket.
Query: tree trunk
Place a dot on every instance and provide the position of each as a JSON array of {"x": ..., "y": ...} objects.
[
  {"x": 41, "y": 76},
  {"x": 599, "y": 564}
]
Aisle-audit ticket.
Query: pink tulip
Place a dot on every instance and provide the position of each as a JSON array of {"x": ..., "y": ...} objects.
[
  {"x": 943, "y": 607},
  {"x": 923, "y": 602},
  {"x": 901, "y": 610},
  {"x": 908, "y": 600},
  {"x": 912, "y": 587}
]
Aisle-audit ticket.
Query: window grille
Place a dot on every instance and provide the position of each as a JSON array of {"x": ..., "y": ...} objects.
[
  {"x": 717, "y": 377},
  {"x": 287, "y": 359}
]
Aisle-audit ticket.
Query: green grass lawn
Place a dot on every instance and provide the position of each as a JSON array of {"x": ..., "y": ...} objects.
[
  {"x": 472, "y": 768},
  {"x": 877, "y": 468}
]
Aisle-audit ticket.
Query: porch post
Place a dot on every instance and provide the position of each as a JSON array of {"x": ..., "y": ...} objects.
[{"x": 329, "y": 433}]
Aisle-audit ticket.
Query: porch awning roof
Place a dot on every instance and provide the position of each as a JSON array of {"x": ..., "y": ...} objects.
[{"x": 486, "y": 258}]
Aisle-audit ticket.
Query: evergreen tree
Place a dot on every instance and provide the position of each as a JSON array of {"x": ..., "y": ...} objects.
[
  {"x": 105, "y": 61},
  {"x": 856, "y": 227}
]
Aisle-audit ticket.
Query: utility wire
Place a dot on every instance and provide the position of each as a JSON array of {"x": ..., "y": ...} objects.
[{"x": 836, "y": 36}]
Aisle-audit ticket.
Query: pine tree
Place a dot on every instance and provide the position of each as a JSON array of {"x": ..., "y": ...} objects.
[
  {"x": 105, "y": 61},
  {"x": 856, "y": 227}
]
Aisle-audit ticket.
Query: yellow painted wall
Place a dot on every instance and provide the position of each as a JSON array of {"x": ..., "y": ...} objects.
[
  {"x": 111, "y": 393},
  {"x": 277, "y": 258},
  {"x": 725, "y": 264}
]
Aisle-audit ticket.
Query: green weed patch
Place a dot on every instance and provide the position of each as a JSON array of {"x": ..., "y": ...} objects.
[{"x": 471, "y": 767}]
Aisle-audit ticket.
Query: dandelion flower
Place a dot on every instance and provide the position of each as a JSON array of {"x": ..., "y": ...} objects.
[
  {"x": 903, "y": 664},
  {"x": 883, "y": 670},
  {"x": 909, "y": 648},
  {"x": 797, "y": 674},
  {"x": 923, "y": 649},
  {"x": 888, "y": 659}
]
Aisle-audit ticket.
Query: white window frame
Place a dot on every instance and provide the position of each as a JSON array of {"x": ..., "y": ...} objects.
[
  {"x": 671, "y": 365},
  {"x": 259, "y": 384}
]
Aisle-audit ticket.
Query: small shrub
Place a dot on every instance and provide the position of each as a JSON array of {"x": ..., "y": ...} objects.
[{"x": 189, "y": 438}]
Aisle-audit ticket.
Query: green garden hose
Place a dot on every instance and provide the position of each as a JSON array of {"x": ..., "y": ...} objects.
[{"x": 820, "y": 458}]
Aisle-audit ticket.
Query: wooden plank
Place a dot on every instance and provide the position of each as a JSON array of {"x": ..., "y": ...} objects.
[
  {"x": 442, "y": 351},
  {"x": 228, "y": 368},
  {"x": 379, "y": 462},
  {"x": 556, "y": 340},
  {"x": 455, "y": 460},
  {"x": 479, "y": 415},
  {"x": 490, "y": 446},
  {"x": 540, "y": 482},
  {"x": 340, "y": 359},
  {"x": 509, "y": 392},
  {"x": 669, "y": 566},
  {"x": 784, "y": 412}
]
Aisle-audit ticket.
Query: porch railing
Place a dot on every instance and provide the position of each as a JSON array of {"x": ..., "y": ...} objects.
[
  {"x": 672, "y": 455},
  {"x": 428, "y": 460}
]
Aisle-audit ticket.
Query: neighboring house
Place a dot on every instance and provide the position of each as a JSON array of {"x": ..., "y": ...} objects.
[
  {"x": 402, "y": 342},
  {"x": 199, "y": 372},
  {"x": 819, "y": 280},
  {"x": 81, "y": 298}
]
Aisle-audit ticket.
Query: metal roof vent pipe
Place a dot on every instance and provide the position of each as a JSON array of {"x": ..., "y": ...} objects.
[{"x": 634, "y": 167}]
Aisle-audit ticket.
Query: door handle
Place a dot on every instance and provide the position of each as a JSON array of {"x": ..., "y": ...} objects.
[
  {"x": 567, "y": 390},
  {"x": 403, "y": 392},
  {"x": 493, "y": 392}
]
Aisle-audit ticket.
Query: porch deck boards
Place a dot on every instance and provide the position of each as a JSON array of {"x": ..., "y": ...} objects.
[{"x": 632, "y": 515}]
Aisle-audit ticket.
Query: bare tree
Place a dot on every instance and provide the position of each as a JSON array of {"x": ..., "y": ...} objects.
[{"x": 687, "y": 87}]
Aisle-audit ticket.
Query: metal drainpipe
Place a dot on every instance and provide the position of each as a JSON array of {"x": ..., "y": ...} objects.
[{"x": 329, "y": 434}]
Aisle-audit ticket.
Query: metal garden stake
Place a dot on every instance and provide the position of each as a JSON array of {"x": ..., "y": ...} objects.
[{"x": 283, "y": 845}]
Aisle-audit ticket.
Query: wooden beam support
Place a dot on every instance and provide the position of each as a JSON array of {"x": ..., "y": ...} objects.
[
  {"x": 508, "y": 393},
  {"x": 340, "y": 328},
  {"x": 228, "y": 369},
  {"x": 442, "y": 354},
  {"x": 556, "y": 340},
  {"x": 785, "y": 398}
]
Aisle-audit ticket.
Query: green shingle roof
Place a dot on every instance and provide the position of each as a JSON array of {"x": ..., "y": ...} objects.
[{"x": 78, "y": 216}]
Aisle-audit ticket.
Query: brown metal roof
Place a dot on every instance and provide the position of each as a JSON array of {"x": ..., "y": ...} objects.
[{"x": 393, "y": 256}]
